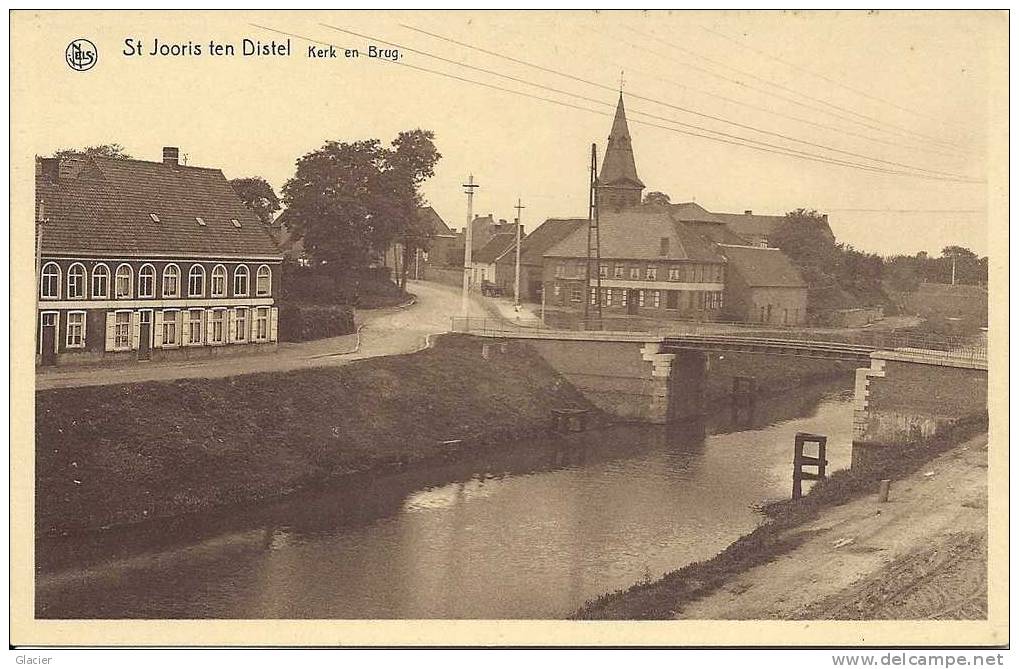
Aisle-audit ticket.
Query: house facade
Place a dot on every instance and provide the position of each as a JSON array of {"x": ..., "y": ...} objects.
[
  {"x": 142, "y": 260},
  {"x": 763, "y": 286}
]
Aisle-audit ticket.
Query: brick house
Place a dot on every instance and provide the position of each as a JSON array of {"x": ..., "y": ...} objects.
[
  {"x": 651, "y": 266},
  {"x": 763, "y": 286},
  {"x": 142, "y": 260}
]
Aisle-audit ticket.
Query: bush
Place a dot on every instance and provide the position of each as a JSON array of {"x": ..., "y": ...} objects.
[{"x": 304, "y": 322}]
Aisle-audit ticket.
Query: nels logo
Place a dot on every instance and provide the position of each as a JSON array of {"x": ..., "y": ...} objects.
[{"x": 81, "y": 55}]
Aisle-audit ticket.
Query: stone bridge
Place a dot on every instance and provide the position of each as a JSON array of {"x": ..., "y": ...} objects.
[{"x": 906, "y": 388}]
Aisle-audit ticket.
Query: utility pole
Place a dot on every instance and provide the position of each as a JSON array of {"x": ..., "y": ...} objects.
[
  {"x": 593, "y": 245},
  {"x": 516, "y": 276},
  {"x": 465, "y": 301},
  {"x": 953, "y": 270}
]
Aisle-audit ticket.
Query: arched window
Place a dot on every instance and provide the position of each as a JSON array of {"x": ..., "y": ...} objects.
[
  {"x": 147, "y": 281},
  {"x": 76, "y": 281},
  {"x": 217, "y": 286},
  {"x": 100, "y": 281},
  {"x": 241, "y": 281},
  {"x": 122, "y": 282},
  {"x": 196, "y": 281},
  {"x": 49, "y": 287},
  {"x": 171, "y": 281},
  {"x": 263, "y": 281}
]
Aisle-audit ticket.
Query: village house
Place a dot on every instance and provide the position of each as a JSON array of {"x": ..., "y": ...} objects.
[
  {"x": 483, "y": 265},
  {"x": 142, "y": 260},
  {"x": 532, "y": 250},
  {"x": 670, "y": 261}
]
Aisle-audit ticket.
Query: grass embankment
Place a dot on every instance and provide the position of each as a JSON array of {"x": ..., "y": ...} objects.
[
  {"x": 663, "y": 598},
  {"x": 119, "y": 454}
]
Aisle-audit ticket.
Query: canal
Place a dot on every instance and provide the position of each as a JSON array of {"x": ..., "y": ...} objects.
[{"x": 522, "y": 530}]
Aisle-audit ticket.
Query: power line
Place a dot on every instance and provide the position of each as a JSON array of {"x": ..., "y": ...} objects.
[
  {"x": 819, "y": 75},
  {"x": 773, "y": 112},
  {"x": 781, "y": 150},
  {"x": 648, "y": 99},
  {"x": 793, "y": 91}
]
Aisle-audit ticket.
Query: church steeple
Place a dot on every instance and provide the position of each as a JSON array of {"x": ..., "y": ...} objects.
[{"x": 618, "y": 184}]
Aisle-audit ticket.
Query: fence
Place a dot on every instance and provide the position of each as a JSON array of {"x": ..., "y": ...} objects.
[{"x": 911, "y": 344}]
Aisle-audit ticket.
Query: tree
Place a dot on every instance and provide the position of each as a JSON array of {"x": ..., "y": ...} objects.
[
  {"x": 412, "y": 160},
  {"x": 258, "y": 195},
  {"x": 102, "y": 150},
  {"x": 350, "y": 200},
  {"x": 656, "y": 197}
]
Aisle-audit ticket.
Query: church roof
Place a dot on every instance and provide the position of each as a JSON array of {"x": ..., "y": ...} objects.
[
  {"x": 637, "y": 235},
  {"x": 618, "y": 167}
]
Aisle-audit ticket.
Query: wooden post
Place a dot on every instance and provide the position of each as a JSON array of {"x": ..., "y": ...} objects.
[
  {"x": 882, "y": 493},
  {"x": 800, "y": 460}
]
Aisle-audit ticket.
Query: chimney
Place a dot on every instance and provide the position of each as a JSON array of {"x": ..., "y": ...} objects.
[
  {"x": 171, "y": 155},
  {"x": 824, "y": 217},
  {"x": 748, "y": 212}
]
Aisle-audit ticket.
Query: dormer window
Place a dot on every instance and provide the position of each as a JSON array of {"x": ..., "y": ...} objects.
[
  {"x": 236, "y": 223},
  {"x": 200, "y": 221},
  {"x": 155, "y": 219}
]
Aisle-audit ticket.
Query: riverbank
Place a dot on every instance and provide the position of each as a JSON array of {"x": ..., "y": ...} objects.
[
  {"x": 121, "y": 454},
  {"x": 795, "y": 564}
]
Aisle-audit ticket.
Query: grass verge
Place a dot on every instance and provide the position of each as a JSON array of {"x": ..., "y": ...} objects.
[
  {"x": 113, "y": 455},
  {"x": 663, "y": 598}
]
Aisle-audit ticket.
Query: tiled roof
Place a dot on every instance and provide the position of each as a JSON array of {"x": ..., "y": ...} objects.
[
  {"x": 105, "y": 210},
  {"x": 545, "y": 236},
  {"x": 433, "y": 222},
  {"x": 716, "y": 232},
  {"x": 636, "y": 234},
  {"x": 494, "y": 248},
  {"x": 762, "y": 267},
  {"x": 751, "y": 226}
]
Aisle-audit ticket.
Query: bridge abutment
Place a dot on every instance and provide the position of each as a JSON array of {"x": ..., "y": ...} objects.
[
  {"x": 631, "y": 380},
  {"x": 903, "y": 398}
]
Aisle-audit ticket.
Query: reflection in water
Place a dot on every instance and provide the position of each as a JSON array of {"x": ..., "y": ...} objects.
[{"x": 527, "y": 530}]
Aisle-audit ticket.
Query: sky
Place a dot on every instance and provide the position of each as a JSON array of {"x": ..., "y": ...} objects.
[{"x": 734, "y": 110}]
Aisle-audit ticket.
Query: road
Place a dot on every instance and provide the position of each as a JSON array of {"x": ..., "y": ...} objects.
[
  {"x": 921, "y": 555},
  {"x": 389, "y": 331}
]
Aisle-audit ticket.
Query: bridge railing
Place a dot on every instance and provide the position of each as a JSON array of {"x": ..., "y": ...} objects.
[{"x": 914, "y": 344}]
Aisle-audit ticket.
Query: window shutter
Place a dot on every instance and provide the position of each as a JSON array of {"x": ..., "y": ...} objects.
[
  {"x": 158, "y": 334},
  {"x": 110, "y": 327},
  {"x": 208, "y": 326},
  {"x": 231, "y": 328},
  {"x": 273, "y": 323},
  {"x": 136, "y": 330},
  {"x": 179, "y": 322}
]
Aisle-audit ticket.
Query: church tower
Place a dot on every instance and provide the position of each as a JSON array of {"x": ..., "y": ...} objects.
[{"x": 619, "y": 186}]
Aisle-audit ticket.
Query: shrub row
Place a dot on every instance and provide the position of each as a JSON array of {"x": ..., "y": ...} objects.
[{"x": 303, "y": 322}]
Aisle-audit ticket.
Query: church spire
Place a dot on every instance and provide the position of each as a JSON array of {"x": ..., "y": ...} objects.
[{"x": 619, "y": 186}]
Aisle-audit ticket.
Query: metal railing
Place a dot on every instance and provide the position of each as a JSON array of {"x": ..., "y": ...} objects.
[{"x": 908, "y": 344}]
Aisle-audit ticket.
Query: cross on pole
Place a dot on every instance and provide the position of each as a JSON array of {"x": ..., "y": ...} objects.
[{"x": 469, "y": 188}]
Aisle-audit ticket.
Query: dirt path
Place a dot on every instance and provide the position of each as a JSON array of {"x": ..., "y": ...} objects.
[
  {"x": 389, "y": 331},
  {"x": 921, "y": 555}
]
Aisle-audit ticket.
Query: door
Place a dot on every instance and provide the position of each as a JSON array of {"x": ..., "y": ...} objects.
[
  {"x": 49, "y": 338},
  {"x": 631, "y": 302},
  {"x": 145, "y": 335}
]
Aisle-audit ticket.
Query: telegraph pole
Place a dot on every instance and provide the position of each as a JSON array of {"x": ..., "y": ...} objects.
[
  {"x": 465, "y": 301},
  {"x": 516, "y": 276},
  {"x": 593, "y": 244}
]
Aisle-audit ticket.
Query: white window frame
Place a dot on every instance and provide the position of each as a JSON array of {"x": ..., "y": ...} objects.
[
  {"x": 241, "y": 335},
  {"x": 640, "y": 298},
  {"x": 618, "y": 273},
  {"x": 254, "y": 324},
  {"x": 239, "y": 271},
  {"x": 130, "y": 282},
  {"x": 82, "y": 285},
  {"x": 152, "y": 271},
  {"x": 166, "y": 275},
  {"x": 268, "y": 275},
  {"x": 220, "y": 272},
  {"x": 188, "y": 326},
  {"x": 130, "y": 324},
  {"x": 651, "y": 273},
  {"x": 67, "y": 333},
  {"x": 657, "y": 298},
  {"x": 192, "y": 273},
  {"x": 210, "y": 326},
  {"x": 635, "y": 273},
  {"x": 44, "y": 276},
  {"x": 100, "y": 270},
  {"x": 177, "y": 330},
  {"x": 576, "y": 294}
]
